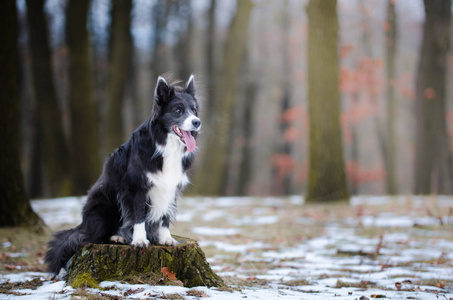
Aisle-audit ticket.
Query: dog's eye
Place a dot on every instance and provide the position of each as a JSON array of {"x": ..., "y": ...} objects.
[{"x": 179, "y": 110}]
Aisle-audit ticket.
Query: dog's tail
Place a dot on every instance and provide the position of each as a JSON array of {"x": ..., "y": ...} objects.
[{"x": 63, "y": 247}]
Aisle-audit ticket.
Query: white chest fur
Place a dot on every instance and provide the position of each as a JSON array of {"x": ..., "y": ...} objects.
[{"x": 165, "y": 183}]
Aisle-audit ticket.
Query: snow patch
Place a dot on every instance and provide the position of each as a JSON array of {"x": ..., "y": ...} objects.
[{"x": 215, "y": 231}]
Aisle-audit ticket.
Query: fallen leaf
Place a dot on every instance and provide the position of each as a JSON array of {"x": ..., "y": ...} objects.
[
  {"x": 131, "y": 292},
  {"x": 398, "y": 285},
  {"x": 407, "y": 281},
  {"x": 168, "y": 274}
]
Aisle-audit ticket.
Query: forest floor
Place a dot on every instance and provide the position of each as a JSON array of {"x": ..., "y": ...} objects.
[{"x": 265, "y": 248}]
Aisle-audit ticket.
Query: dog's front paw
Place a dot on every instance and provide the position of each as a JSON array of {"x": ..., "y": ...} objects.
[
  {"x": 140, "y": 243},
  {"x": 168, "y": 241}
]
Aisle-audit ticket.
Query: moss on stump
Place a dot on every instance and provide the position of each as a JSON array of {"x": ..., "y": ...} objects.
[{"x": 184, "y": 264}]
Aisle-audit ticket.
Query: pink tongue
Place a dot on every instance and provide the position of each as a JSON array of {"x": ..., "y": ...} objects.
[{"x": 190, "y": 141}]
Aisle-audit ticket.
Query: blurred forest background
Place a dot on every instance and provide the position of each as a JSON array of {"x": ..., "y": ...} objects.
[{"x": 88, "y": 71}]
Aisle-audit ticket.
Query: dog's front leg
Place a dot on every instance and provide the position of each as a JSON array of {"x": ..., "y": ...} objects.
[
  {"x": 139, "y": 231},
  {"x": 139, "y": 235},
  {"x": 164, "y": 233}
]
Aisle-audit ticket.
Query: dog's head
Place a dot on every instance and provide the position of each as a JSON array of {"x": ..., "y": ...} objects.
[{"x": 176, "y": 108}]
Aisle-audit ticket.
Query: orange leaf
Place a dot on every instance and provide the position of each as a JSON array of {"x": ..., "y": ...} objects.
[{"x": 167, "y": 273}]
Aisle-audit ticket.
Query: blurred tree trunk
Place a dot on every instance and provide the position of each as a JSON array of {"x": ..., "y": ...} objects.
[
  {"x": 119, "y": 65},
  {"x": 35, "y": 186},
  {"x": 183, "y": 50},
  {"x": 53, "y": 143},
  {"x": 326, "y": 177},
  {"x": 85, "y": 160},
  {"x": 211, "y": 70},
  {"x": 15, "y": 209},
  {"x": 281, "y": 174},
  {"x": 391, "y": 146},
  {"x": 133, "y": 87},
  {"x": 210, "y": 176},
  {"x": 355, "y": 155},
  {"x": 433, "y": 164},
  {"x": 161, "y": 11},
  {"x": 385, "y": 129},
  {"x": 245, "y": 167},
  {"x": 283, "y": 181}
]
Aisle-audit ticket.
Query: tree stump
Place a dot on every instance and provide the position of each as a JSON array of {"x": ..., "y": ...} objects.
[{"x": 184, "y": 264}]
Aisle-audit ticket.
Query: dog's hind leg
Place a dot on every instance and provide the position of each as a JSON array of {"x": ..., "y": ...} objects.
[
  {"x": 118, "y": 239},
  {"x": 100, "y": 219}
]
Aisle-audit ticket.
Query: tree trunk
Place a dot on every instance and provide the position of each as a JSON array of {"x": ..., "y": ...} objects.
[
  {"x": 327, "y": 178},
  {"x": 433, "y": 168},
  {"x": 183, "y": 50},
  {"x": 15, "y": 209},
  {"x": 119, "y": 65},
  {"x": 84, "y": 126},
  {"x": 382, "y": 131},
  {"x": 211, "y": 174},
  {"x": 185, "y": 263},
  {"x": 35, "y": 186},
  {"x": 282, "y": 180},
  {"x": 211, "y": 70},
  {"x": 391, "y": 151},
  {"x": 133, "y": 92},
  {"x": 355, "y": 156},
  {"x": 54, "y": 147},
  {"x": 161, "y": 11},
  {"x": 245, "y": 168}
]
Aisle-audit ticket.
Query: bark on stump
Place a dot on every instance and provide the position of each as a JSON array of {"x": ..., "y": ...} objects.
[{"x": 184, "y": 264}]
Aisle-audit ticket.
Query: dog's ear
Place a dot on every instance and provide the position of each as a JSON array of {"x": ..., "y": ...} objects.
[
  {"x": 190, "y": 86},
  {"x": 162, "y": 92}
]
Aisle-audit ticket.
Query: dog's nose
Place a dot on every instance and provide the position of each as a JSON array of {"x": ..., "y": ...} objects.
[{"x": 196, "y": 123}]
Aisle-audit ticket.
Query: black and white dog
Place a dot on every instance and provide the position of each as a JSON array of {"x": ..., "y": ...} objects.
[{"x": 134, "y": 199}]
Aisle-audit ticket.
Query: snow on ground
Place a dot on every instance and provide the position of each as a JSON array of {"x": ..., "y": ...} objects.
[
  {"x": 57, "y": 213},
  {"x": 265, "y": 248}
]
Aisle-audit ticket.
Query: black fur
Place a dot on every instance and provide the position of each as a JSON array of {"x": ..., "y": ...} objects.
[{"x": 118, "y": 199}]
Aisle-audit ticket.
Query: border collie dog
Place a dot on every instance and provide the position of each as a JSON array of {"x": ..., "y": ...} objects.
[{"x": 134, "y": 199}]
